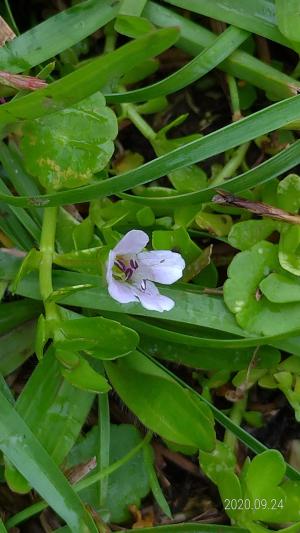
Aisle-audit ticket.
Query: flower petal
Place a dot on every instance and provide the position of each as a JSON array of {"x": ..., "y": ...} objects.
[
  {"x": 151, "y": 298},
  {"x": 162, "y": 266},
  {"x": 122, "y": 292},
  {"x": 133, "y": 242},
  {"x": 109, "y": 266}
]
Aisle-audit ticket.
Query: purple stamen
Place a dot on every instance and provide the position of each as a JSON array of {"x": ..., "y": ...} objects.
[
  {"x": 134, "y": 264},
  {"x": 143, "y": 285},
  {"x": 128, "y": 273},
  {"x": 121, "y": 265}
]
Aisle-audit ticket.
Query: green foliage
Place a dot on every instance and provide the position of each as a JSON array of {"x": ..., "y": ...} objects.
[
  {"x": 65, "y": 149},
  {"x": 161, "y": 404},
  {"x": 25, "y": 451},
  {"x": 253, "y": 497},
  {"x": 120, "y": 493},
  {"x": 228, "y": 332},
  {"x": 288, "y": 19}
]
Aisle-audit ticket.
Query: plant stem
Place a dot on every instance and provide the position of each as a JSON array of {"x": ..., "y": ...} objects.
[
  {"x": 110, "y": 38},
  {"x": 143, "y": 126},
  {"x": 47, "y": 250},
  {"x": 104, "y": 445},
  {"x": 234, "y": 97},
  {"x": 236, "y": 416},
  {"x": 231, "y": 166}
]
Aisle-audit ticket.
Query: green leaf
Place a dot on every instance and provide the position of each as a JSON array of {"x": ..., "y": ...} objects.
[
  {"x": 291, "y": 364},
  {"x": 65, "y": 149},
  {"x": 43, "y": 334},
  {"x": 245, "y": 273},
  {"x": 160, "y": 403},
  {"x": 290, "y": 511},
  {"x": 288, "y": 193},
  {"x": 148, "y": 67},
  {"x": 154, "y": 483},
  {"x": 81, "y": 260},
  {"x": 242, "y": 65},
  {"x": 9, "y": 264},
  {"x": 265, "y": 487},
  {"x": 258, "y": 18},
  {"x": 241, "y": 292},
  {"x": 100, "y": 337},
  {"x": 13, "y": 314},
  {"x": 288, "y": 18},
  {"x": 289, "y": 257},
  {"x": 215, "y": 463},
  {"x": 58, "y": 295},
  {"x": 275, "y": 116},
  {"x": 203, "y": 337},
  {"x": 30, "y": 262},
  {"x": 40, "y": 404},
  {"x": 23, "y": 218},
  {"x": 244, "y": 235},
  {"x": 13, "y": 229},
  {"x": 230, "y": 489},
  {"x": 23, "y": 449},
  {"x": 16, "y": 346},
  {"x": 219, "y": 225},
  {"x": 131, "y": 7},
  {"x": 88, "y": 79},
  {"x": 177, "y": 239},
  {"x": 132, "y": 26},
  {"x": 187, "y": 179},
  {"x": 2, "y": 527},
  {"x": 280, "y": 289},
  {"x": 207, "y": 358},
  {"x": 227, "y": 423},
  {"x": 6, "y": 390},
  {"x": 120, "y": 493},
  {"x": 82, "y": 375},
  {"x": 65, "y": 227},
  {"x": 83, "y": 234},
  {"x": 190, "y": 307},
  {"x": 55, "y": 34},
  {"x": 203, "y": 63}
]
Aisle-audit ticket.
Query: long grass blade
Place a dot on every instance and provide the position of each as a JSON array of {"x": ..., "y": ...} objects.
[
  {"x": 270, "y": 118},
  {"x": 210, "y": 58},
  {"x": 23, "y": 449},
  {"x": 56, "y": 34},
  {"x": 257, "y": 16},
  {"x": 194, "y": 37}
]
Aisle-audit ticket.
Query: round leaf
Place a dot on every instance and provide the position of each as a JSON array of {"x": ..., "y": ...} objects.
[{"x": 65, "y": 149}]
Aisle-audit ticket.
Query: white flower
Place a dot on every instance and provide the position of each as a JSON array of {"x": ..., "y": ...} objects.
[{"x": 130, "y": 272}]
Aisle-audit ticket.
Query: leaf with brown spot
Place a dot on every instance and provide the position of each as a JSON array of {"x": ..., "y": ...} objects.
[{"x": 64, "y": 149}]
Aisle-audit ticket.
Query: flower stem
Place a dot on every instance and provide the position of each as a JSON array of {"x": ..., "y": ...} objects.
[{"x": 47, "y": 250}]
